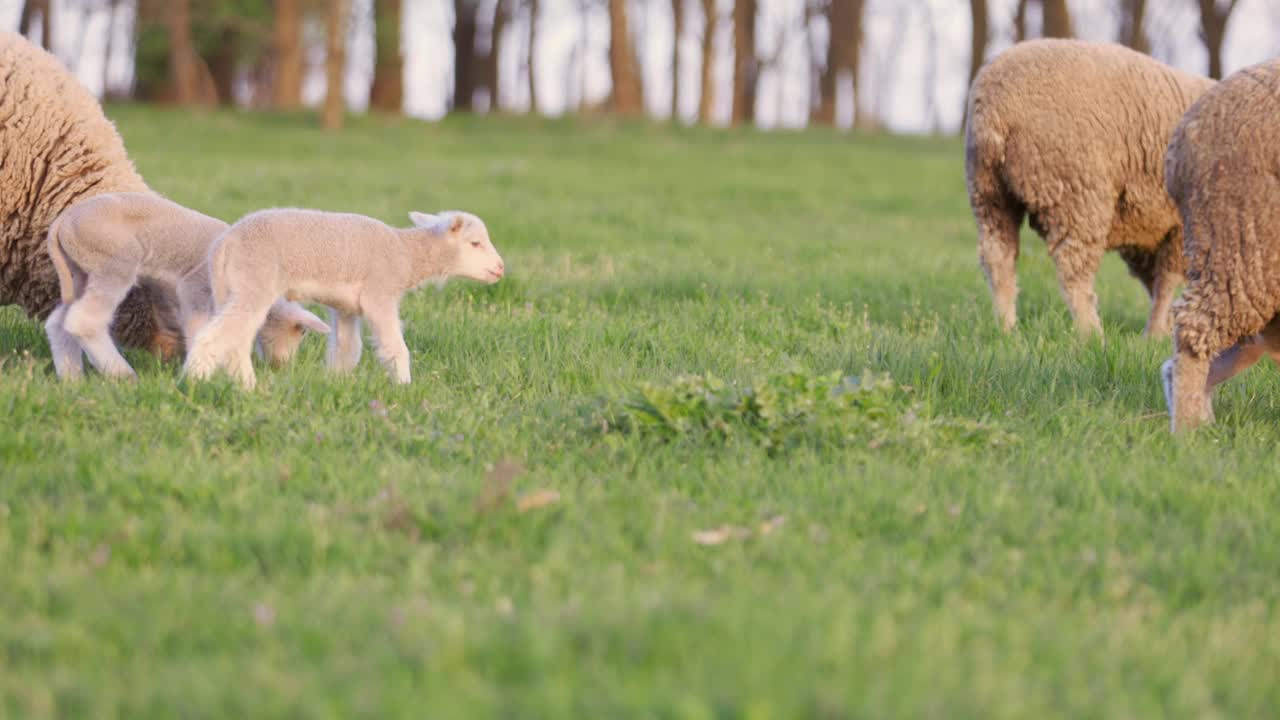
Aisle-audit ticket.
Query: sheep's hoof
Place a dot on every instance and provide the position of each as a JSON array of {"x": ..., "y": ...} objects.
[{"x": 1166, "y": 379}]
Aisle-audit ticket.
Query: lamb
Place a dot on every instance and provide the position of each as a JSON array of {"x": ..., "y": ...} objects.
[
  {"x": 1072, "y": 134},
  {"x": 354, "y": 264},
  {"x": 101, "y": 246},
  {"x": 58, "y": 149},
  {"x": 1223, "y": 171}
]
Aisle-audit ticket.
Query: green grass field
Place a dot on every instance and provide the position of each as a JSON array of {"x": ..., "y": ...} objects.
[{"x": 1009, "y": 533}]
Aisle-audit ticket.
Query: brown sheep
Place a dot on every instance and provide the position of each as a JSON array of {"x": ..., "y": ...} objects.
[
  {"x": 1223, "y": 171},
  {"x": 58, "y": 148},
  {"x": 1072, "y": 134}
]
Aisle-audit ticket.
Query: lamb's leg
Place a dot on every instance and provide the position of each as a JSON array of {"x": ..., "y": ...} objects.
[
  {"x": 345, "y": 344},
  {"x": 68, "y": 356},
  {"x": 88, "y": 318},
  {"x": 998, "y": 254},
  {"x": 221, "y": 338},
  {"x": 1163, "y": 287},
  {"x": 1077, "y": 263},
  {"x": 384, "y": 321},
  {"x": 240, "y": 357}
]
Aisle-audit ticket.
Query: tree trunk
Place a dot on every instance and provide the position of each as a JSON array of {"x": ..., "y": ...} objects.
[
  {"x": 287, "y": 45},
  {"x": 844, "y": 47},
  {"x": 1057, "y": 19},
  {"x": 112, "y": 8},
  {"x": 464, "y": 54},
  {"x": 184, "y": 64},
  {"x": 977, "y": 47},
  {"x": 1020, "y": 22},
  {"x": 43, "y": 8},
  {"x": 677, "y": 32},
  {"x": 386, "y": 94},
  {"x": 530, "y": 54},
  {"x": 707, "y": 101},
  {"x": 1213, "y": 30},
  {"x": 627, "y": 94},
  {"x": 1132, "y": 25},
  {"x": 744, "y": 61},
  {"x": 492, "y": 70},
  {"x": 223, "y": 65},
  {"x": 335, "y": 64}
]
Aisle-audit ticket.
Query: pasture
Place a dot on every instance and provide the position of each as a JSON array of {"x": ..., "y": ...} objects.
[{"x": 551, "y": 522}]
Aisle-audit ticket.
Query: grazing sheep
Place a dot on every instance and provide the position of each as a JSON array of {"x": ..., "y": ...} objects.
[
  {"x": 1223, "y": 171},
  {"x": 100, "y": 247},
  {"x": 356, "y": 265},
  {"x": 1072, "y": 134},
  {"x": 58, "y": 148}
]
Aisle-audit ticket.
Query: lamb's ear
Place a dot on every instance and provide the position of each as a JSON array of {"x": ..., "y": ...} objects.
[
  {"x": 295, "y": 314},
  {"x": 456, "y": 225},
  {"x": 423, "y": 220}
]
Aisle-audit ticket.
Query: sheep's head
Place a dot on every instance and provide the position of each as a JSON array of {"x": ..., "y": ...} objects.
[
  {"x": 287, "y": 323},
  {"x": 474, "y": 256}
]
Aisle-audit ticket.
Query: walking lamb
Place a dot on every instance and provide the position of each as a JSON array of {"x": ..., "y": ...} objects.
[
  {"x": 354, "y": 264},
  {"x": 102, "y": 246}
]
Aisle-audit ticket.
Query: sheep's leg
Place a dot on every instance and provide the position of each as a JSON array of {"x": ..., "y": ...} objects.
[
  {"x": 1186, "y": 390},
  {"x": 343, "y": 354},
  {"x": 68, "y": 356},
  {"x": 1077, "y": 265},
  {"x": 240, "y": 357},
  {"x": 384, "y": 321},
  {"x": 1163, "y": 287},
  {"x": 88, "y": 318},
  {"x": 998, "y": 254}
]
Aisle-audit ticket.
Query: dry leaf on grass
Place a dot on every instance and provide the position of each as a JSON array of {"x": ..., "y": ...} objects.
[
  {"x": 537, "y": 499},
  {"x": 724, "y": 533},
  {"x": 771, "y": 524}
]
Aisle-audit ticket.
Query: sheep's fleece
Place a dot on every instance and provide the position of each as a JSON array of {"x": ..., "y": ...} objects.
[
  {"x": 57, "y": 147},
  {"x": 1073, "y": 135}
]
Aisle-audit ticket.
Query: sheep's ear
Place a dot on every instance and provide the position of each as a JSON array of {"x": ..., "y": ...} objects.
[
  {"x": 456, "y": 225},
  {"x": 423, "y": 220},
  {"x": 299, "y": 316}
]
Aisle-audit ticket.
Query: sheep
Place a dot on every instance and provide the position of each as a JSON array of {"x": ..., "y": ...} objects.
[
  {"x": 1072, "y": 135},
  {"x": 58, "y": 149},
  {"x": 1223, "y": 171},
  {"x": 354, "y": 264},
  {"x": 101, "y": 246}
]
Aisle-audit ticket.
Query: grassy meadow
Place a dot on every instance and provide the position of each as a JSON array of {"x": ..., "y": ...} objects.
[{"x": 553, "y": 520}]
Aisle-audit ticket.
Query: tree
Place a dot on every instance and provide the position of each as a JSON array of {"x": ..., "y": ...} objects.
[
  {"x": 386, "y": 93},
  {"x": 977, "y": 45},
  {"x": 491, "y": 77},
  {"x": 287, "y": 48},
  {"x": 531, "y": 53},
  {"x": 707, "y": 101},
  {"x": 627, "y": 98},
  {"x": 744, "y": 61},
  {"x": 186, "y": 68},
  {"x": 1056, "y": 19},
  {"x": 1133, "y": 32},
  {"x": 335, "y": 64},
  {"x": 1213, "y": 30},
  {"x": 464, "y": 54},
  {"x": 31, "y": 9},
  {"x": 677, "y": 31},
  {"x": 844, "y": 51}
]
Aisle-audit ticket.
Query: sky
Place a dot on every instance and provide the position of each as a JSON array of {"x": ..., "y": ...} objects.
[{"x": 915, "y": 57}]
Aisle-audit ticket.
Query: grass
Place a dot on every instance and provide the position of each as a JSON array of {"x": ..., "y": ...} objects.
[{"x": 480, "y": 544}]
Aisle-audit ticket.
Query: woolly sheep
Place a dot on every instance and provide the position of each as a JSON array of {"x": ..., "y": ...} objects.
[
  {"x": 1072, "y": 135},
  {"x": 354, "y": 264},
  {"x": 100, "y": 247},
  {"x": 58, "y": 149},
  {"x": 1223, "y": 171}
]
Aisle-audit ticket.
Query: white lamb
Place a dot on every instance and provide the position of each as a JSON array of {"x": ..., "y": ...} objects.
[
  {"x": 357, "y": 265},
  {"x": 102, "y": 246}
]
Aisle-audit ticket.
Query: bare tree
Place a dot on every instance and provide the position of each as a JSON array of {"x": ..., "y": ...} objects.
[
  {"x": 745, "y": 70},
  {"x": 335, "y": 64},
  {"x": 185, "y": 66},
  {"x": 113, "y": 9},
  {"x": 31, "y": 9},
  {"x": 1020, "y": 22},
  {"x": 287, "y": 48},
  {"x": 1133, "y": 31},
  {"x": 977, "y": 46},
  {"x": 706, "y": 103},
  {"x": 386, "y": 93},
  {"x": 677, "y": 32},
  {"x": 1214, "y": 15},
  {"x": 1056, "y": 19},
  {"x": 844, "y": 51},
  {"x": 531, "y": 54},
  {"x": 464, "y": 55},
  {"x": 487, "y": 64},
  {"x": 627, "y": 98}
]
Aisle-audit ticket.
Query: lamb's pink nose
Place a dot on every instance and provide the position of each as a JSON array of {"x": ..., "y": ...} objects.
[{"x": 500, "y": 271}]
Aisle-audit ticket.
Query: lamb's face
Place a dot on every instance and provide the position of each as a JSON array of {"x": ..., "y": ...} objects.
[{"x": 476, "y": 258}]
